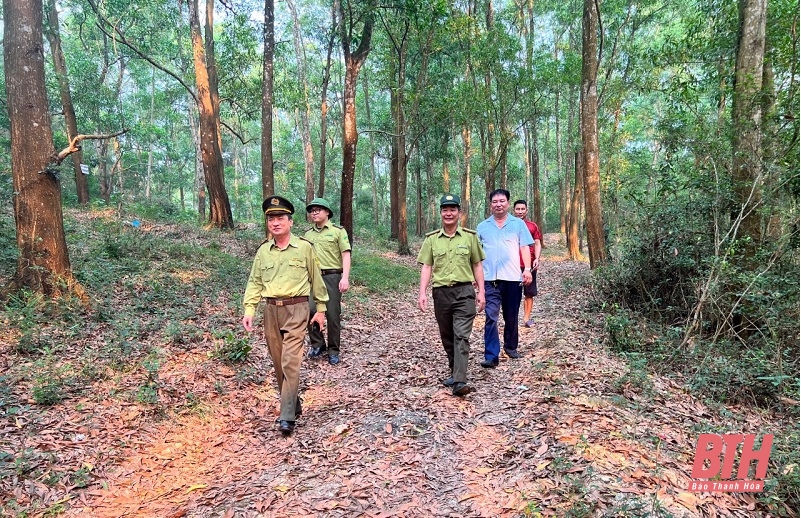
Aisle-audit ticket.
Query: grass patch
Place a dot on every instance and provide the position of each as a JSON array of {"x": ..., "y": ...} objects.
[{"x": 380, "y": 275}]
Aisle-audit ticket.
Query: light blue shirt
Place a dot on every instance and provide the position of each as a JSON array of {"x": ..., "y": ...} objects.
[{"x": 502, "y": 246}]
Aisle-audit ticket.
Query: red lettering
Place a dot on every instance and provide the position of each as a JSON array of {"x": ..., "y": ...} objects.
[
  {"x": 762, "y": 456},
  {"x": 702, "y": 454},
  {"x": 728, "y": 458}
]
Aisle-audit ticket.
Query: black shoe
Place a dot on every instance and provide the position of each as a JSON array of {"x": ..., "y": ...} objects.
[
  {"x": 512, "y": 353},
  {"x": 286, "y": 427},
  {"x": 315, "y": 352},
  {"x": 448, "y": 382},
  {"x": 461, "y": 389},
  {"x": 333, "y": 358},
  {"x": 489, "y": 365}
]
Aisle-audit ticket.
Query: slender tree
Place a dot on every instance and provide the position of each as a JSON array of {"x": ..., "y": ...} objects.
[
  {"x": 43, "y": 264},
  {"x": 747, "y": 117},
  {"x": 589, "y": 133},
  {"x": 354, "y": 59},
  {"x": 60, "y": 66},
  {"x": 220, "y": 215},
  {"x": 268, "y": 58}
]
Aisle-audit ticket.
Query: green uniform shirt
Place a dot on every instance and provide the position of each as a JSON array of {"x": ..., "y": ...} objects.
[
  {"x": 292, "y": 272},
  {"x": 329, "y": 243},
  {"x": 452, "y": 257}
]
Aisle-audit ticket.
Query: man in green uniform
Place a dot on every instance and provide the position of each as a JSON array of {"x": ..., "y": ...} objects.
[
  {"x": 453, "y": 254},
  {"x": 284, "y": 273},
  {"x": 333, "y": 251}
]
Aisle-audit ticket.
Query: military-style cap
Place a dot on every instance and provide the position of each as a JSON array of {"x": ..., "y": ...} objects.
[
  {"x": 320, "y": 202},
  {"x": 450, "y": 200},
  {"x": 277, "y": 205}
]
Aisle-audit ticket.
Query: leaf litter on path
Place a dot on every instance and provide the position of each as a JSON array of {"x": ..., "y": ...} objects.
[{"x": 546, "y": 435}]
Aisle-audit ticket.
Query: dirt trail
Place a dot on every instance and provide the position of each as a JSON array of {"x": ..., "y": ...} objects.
[{"x": 562, "y": 431}]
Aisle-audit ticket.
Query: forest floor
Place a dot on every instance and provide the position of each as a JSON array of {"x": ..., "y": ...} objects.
[{"x": 567, "y": 430}]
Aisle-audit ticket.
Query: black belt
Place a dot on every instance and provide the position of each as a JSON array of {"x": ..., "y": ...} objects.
[
  {"x": 456, "y": 285},
  {"x": 287, "y": 302},
  {"x": 331, "y": 272}
]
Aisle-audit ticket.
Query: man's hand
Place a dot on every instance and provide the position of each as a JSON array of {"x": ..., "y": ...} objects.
[
  {"x": 422, "y": 301},
  {"x": 527, "y": 277},
  {"x": 480, "y": 301},
  {"x": 344, "y": 285},
  {"x": 247, "y": 322},
  {"x": 535, "y": 263},
  {"x": 319, "y": 318}
]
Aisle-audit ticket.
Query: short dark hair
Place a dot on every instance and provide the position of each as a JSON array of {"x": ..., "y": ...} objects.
[
  {"x": 515, "y": 204},
  {"x": 500, "y": 191}
]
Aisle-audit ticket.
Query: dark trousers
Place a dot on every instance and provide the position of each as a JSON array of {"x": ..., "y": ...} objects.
[
  {"x": 500, "y": 296},
  {"x": 455, "y": 310},
  {"x": 333, "y": 313}
]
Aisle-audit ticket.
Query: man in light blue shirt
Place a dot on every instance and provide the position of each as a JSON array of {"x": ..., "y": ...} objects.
[{"x": 503, "y": 236}]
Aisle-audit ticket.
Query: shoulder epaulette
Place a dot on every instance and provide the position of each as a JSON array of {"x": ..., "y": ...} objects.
[
  {"x": 469, "y": 230},
  {"x": 432, "y": 233},
  {"x": 337, "y": 226},
  {"x": 263, "y": 242},
  {"x": 304, "y": 239}
]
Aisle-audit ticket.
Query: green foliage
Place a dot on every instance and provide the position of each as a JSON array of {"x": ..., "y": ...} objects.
[
  {"x": 380, "y": 275},
  {"x": 231, "y": 348}
]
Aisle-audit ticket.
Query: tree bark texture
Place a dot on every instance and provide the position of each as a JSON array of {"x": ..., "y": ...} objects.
[
  {"x": 353, "y": 64},
  {"x": 536, "y": 202},
  {"x": 324, "y": 103},
  {"x": 268, "y": 73},
  {"x": 305, "y": 109},
  {"x": 589, "y": 135},
  {"x": 60, "y": 67},
  {"x": 747, "y": 117},
  {"x": 467, "y": 151},
  {"x": 43, "y": 264},
  {"x": 574, "y": 213},
  {"x": 220, "y": 215}
]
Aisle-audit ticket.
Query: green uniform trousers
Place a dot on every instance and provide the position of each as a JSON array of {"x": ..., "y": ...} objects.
[
  {"x": 455, "y": 310},
  {"x": 333, "y": 314},
  {"x": 284, "y": 329}
]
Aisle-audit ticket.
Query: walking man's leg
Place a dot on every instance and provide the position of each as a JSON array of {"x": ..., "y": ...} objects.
[{"x": 492, "y": 342}]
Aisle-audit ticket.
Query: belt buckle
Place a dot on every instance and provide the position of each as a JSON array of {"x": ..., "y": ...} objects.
[{"x": 279, "y": 302}]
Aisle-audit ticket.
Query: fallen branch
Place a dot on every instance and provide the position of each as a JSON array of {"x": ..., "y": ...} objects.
[{"x": 73, "y": 147}]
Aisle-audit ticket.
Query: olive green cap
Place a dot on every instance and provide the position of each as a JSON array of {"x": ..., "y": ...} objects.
[
  {"x": 320, "y": 202},
  {"x": 450, "y": 200}
]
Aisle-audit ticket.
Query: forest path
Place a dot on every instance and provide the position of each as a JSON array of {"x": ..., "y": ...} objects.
[{"x": 564, "y": 431}]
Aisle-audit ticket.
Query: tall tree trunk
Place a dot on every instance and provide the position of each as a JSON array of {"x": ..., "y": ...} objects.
[
  {"x": 421, "y": 216},
  {"x": 574, "y": 213},
  {"x": 43, "y": 264},
  {"x": 747, "y": 118},
  {"x": 589, "y": 135},
  {"x": 467, "y": 153},
  {"x": 149, "y": 177},
  {"x": 199, "y": 181},
  {"x": 536, "y": 201},
  {"x": 60, "y": 67},
  {"x": 400, "y": 139},
  {"x": 267, "y": 173},
  {"x": 220, "y": 215},
  {"x": 372, "y": 151},
  {"x": 305, "y": 127},
  {"x": 394, "y": 168},
  {"x": 324, "y": 105},
  {"x": 353, "y": 64}
]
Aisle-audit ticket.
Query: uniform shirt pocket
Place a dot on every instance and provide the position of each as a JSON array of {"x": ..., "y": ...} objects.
[
  {"x": 267, "y": 271},
  {"x": 297, "y": 269}
]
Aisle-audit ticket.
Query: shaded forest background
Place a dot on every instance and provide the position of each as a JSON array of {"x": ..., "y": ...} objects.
[{"x": 192, "y": 112}]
